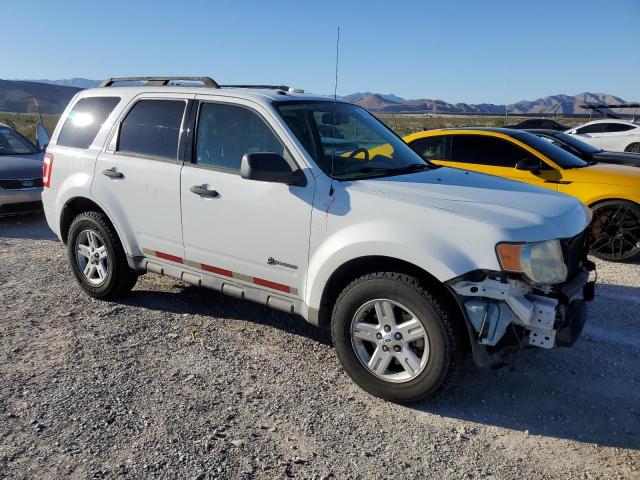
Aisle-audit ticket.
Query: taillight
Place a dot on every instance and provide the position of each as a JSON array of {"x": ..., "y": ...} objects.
[{"x": 47, "y": 166}]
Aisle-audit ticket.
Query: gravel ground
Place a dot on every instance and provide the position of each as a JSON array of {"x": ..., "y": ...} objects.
[{"x": 181, "y": 382}]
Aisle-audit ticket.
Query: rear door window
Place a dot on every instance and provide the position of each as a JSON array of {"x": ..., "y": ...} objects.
[
  {"x": 152, "y": 128},
  {"x": 85, "y": 120},
  {"x": 616, "y": 127},
  {"x": 485, "y": 150}
]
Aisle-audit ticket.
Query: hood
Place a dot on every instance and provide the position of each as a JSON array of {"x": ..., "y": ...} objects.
[
  {"x": 618, "y": 158},
  {"x": 605, "y": 174},
  {"x": 21, "y": 166},
  {"x": 521, "y": 211}
]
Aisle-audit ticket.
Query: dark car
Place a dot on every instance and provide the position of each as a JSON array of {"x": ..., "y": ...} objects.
[
  {"x": 587, "y": 152},
  {"x": 539, "y": 123},
  {"x": 20, "y": 173}
]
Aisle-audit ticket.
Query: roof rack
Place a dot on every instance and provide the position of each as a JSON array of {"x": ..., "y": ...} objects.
[
  {"x": 284, "y": 88},
  {"x": 206, "y": 81}
]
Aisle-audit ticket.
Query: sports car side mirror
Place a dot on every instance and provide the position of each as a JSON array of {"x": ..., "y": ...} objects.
[{"x": 529, "y": 164}]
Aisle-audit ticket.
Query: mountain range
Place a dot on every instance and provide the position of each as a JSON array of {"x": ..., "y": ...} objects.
[
  {"x": 552, "y": 105},
  {"x": 53, "y": 96}
]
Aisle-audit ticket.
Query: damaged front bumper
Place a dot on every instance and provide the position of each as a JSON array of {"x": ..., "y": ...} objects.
[{"x": 505, "y": 313}]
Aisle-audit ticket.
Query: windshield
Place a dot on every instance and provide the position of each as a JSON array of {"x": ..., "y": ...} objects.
[
  {"x": 347, "y": 142},
  {"x": 12, "y": 143},
  {"x": 560, "y": 156},
  {"x": 562, "y": 138}
]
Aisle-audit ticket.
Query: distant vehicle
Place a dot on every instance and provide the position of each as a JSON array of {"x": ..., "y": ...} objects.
[
  {"x": 611, "y": 191},
  {"x": 611, "y": 134},
  {"x": 538, "y": 123},
  {"x": 20, "y": 173},
  {"x": 588, "y": 153}
]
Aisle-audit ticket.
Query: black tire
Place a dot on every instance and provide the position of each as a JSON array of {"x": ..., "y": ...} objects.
[
  {"x": 633, "y": 148},
  {"x": 615, "y": 231},
  {"x": 445, "y": 348},
  {"x": 120, "y": 278}
]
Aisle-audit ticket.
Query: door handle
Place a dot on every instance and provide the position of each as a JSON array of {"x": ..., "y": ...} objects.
[
  {"x": 204, "y": 191},
  {"x": 113, "y": 173}
]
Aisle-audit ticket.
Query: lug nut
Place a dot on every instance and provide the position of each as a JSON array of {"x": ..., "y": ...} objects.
[
  {"x": 398, "y": 336},
  {"x": 387, "y": 328},
  {"x": 397, "y": 348},
  {"x": 379, "y": 336},
  {"x": 385, "y": 348}
]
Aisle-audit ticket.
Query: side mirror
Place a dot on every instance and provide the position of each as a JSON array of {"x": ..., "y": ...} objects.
[
  {"x": 42, "y": 137},
  {"x": 529, "y": 164},
  {"x": 270, "y": 167}
]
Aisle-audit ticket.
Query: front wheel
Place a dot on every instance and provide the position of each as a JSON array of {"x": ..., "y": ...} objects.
[
  {"x": 615, "y": 231},
  {"x": 97, "y": 258},
  {"x": 394, "y": 339}
]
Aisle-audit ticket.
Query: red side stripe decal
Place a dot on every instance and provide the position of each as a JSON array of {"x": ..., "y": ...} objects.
[
  {"x": 166, "y": 256},
  {"x": 274, "y": 285},
  {"x": 219, "y": 271},
  {"x": 226, "y": 273}
]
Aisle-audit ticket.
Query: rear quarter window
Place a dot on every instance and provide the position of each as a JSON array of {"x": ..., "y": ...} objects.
[{"x": 85, "y": 120}]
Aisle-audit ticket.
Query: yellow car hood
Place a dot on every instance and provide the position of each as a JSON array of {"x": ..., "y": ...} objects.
[{"x": 604, "y": 174}]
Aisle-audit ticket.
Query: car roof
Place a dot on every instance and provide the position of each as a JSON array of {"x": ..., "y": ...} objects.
[
  {"x": 545, "y": 131},
  {"x": 611, "y": 120},
  {"x": 258, "y": 95}
]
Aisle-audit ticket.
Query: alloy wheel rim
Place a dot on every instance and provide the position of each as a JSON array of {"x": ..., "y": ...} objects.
[
  {"x": 616, "y": 232},
  {"x": 92, "y": 257},
  {"x": 389, "y": 340}
]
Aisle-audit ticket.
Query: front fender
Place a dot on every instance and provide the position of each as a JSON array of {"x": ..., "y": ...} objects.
[{"x": 444, "y": 260}]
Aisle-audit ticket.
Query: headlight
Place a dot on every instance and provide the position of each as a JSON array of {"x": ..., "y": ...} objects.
[{"x": 541, "y": 262}]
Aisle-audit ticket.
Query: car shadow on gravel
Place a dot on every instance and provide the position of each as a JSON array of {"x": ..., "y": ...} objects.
[
  {"x": 31, "y": 227},
  {"x": 566, "y": 406},
  {"x": 194, "y": 300}
]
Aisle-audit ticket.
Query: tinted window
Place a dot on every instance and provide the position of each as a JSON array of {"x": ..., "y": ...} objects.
[
  {"x": 433, "y": 148},
  {"x": 226, "y": 132},
  {"x": 85, "y": 120},
  {"x": 593, "y": 128},
  {"x": 616, "y": 127},
  {"x": 152, "y": 128},
  {"x": 486, "y": 150},
  {"x": 12, "y": 143}
]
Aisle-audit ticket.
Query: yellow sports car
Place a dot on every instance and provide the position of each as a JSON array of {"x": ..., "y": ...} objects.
[{"x": 611, "y": 191}]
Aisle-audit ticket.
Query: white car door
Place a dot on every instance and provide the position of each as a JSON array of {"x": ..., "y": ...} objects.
[
  {"x": 137, "y": 177},
  {"x": 254, "y": 232}
]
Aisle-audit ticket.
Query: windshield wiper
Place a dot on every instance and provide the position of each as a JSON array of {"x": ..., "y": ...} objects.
[{"x": 386, "y": 171}]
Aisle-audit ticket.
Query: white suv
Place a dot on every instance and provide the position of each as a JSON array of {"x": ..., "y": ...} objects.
[{"x": 314, "y": 207}]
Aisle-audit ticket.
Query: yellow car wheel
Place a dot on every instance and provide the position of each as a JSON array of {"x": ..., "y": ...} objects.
[{"x": 615, "y": 231}]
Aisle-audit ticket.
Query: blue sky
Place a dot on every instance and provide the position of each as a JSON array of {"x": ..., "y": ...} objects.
[{"x": 459, "y": 51}]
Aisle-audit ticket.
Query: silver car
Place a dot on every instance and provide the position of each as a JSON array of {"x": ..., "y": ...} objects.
[{"x": 20, "y": 173}]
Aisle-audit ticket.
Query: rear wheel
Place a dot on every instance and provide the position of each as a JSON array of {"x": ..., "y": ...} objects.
[
  {"x": 633, "y": 148},
  {"x": 394, "y": 339},
  {"x": 97, "y": 258},
  {"x": 615, "y": 231}
]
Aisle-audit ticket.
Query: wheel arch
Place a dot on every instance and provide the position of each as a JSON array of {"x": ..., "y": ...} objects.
[
  {"x": 356, "y": 267},
  {"x": 75, "y": 206},
  {"x": 595, "y": 203}
]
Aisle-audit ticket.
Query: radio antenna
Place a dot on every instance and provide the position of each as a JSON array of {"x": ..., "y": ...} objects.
[
  {"x": 38, "y": 109},
  {"x": 335, "y": 104}
]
